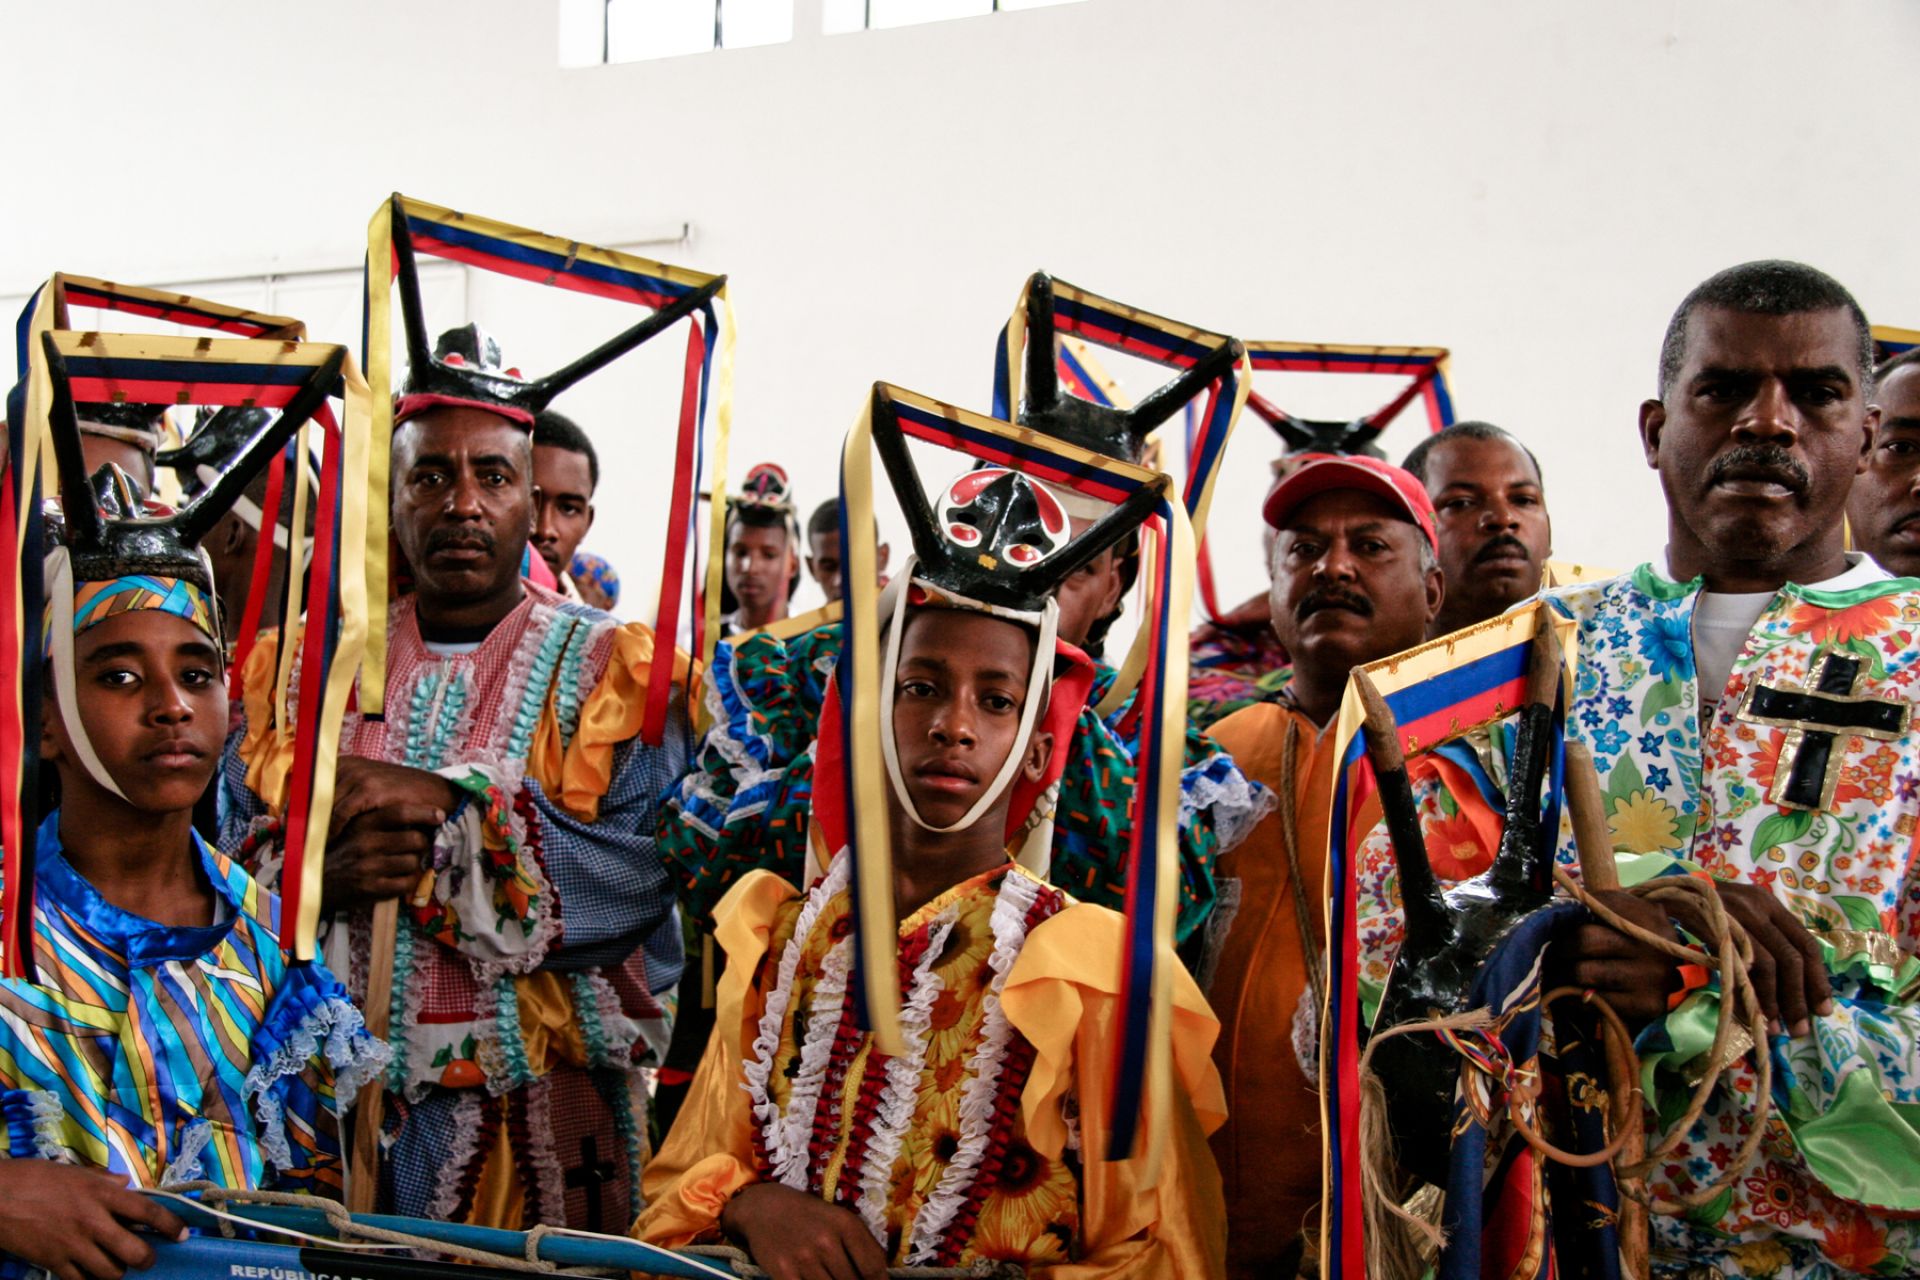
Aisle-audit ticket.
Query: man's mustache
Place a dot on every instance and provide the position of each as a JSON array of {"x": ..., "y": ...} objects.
[
  {"x": 448, "y": 539},
  {"x": 1506, "y": 542},
  {"x": 1759, "y": 462},
  {"x": 1330, "y": 598}
]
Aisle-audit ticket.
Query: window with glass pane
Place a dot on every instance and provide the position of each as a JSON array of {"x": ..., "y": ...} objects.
[
  {"x": 905, "y": 13},
  {"x": 638, "y": 29},
  {"x": 583, "y": 33},
  {"x": 745, "y": 23}
]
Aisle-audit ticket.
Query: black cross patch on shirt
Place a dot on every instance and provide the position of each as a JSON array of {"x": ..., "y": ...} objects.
[{"x": 1818, "y": 719}]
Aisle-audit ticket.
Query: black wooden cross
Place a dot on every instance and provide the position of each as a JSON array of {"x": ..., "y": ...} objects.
[
  {"x": 592, "y": 1174},
  {"x": 1817, "y": 719}
]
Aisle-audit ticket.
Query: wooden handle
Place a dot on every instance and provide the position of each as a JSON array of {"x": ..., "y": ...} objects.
[
  {"x": 1544, "y": 662},
  {"x": 1591, "y": 834},
  {"x": 1382, "y": 733},
  {"x": 370, "y": 1109}
]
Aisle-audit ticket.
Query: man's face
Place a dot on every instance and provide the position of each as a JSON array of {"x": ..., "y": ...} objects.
[
  {"x": 760, "y": 565},
  {"x": 150, "y": 695},
  {"x": 1884, "y": 505},
  {"x": 823, "y": 561},
  {"x": 462, "y": 502},
  {"x": 1347, "y": 582},
  {"x": 562, "y": 505},
  {"x": 1759, "y": 437},
  {"x": 131, "y": 458},
  {"x": 1493, "y": 525},
  {"x": 230, "y": 549},
  {"x": 958, "y": 694},
  {"x": 1089, "y": 594}
]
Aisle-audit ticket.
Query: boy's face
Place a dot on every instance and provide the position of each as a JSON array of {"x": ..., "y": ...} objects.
[
  {"x": 823, "y": 561},
  {"x": 760, "y": 565},
  {"x": 150, "y": 694},
  {"x": 562, "y": 504},
  {"x": 958, "y": 695}
]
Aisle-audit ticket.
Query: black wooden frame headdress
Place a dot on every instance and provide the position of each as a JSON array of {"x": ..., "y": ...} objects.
[{"x": 500, "y": 391}]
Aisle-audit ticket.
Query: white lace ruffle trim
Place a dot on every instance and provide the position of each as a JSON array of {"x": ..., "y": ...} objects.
[
  {"x": 333, "y": 1033},
  {"x": 766, "y": 1043},
  {"x": 1236, "y": 803}
]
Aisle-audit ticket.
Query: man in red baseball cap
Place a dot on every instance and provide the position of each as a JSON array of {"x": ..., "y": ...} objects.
[{"x": 1356, "y": 578}]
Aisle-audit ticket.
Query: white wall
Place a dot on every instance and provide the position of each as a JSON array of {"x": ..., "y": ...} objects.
[{"x": 1534, "y": 185}]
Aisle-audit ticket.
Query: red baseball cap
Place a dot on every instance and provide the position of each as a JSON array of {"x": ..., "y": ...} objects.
[{"x": 1369, "y": 475}]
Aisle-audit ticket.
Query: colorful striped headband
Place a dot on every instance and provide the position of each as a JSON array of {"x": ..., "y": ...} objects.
[{"x": 95, "y": 602}]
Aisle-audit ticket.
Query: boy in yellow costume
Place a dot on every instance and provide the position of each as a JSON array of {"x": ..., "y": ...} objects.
[{"x": 985, "y": 1138}]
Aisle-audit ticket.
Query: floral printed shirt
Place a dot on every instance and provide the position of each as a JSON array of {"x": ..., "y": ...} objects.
[{"x": 1834, "y": 1185}]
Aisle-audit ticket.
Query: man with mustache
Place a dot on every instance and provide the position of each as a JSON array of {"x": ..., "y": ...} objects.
[
  {"x": 1884, "y": 507},
  {"x": 1495, "y": 534},
  {"x": 1355, "y": 578},
  {"x": 506, "y": 801},
  {"x": 1747, "y": 699}
]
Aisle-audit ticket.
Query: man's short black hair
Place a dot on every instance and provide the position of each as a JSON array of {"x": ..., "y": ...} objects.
[
  {"x": 825, "y": 518},
  {"x": 1471, "y": 430},
  {"x": 551, "y": 427},
  {"x": 1772, "y": 287},
  {"x": 1911, "y": 356}
]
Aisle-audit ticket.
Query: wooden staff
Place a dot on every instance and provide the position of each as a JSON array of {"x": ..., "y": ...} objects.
[
  {"x": 1599, "y": 873},
  {"x": 363, "y": 1181}
]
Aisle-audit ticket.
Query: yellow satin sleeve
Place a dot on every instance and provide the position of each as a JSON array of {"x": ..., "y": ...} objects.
[
  {"x": 267, "y": 748},
  {"x": 1063, "y": 995},
  {"x": 576, "y": 774},
  {"x": 708, "y": 1154}
]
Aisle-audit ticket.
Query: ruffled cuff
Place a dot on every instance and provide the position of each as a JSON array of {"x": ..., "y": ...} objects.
[
  {"x": 486, "y": 893},
  {"x": 312, "y": 1045},
  {"x": 34, "y": 1130},
  {"x": 1232, "y": 802}
]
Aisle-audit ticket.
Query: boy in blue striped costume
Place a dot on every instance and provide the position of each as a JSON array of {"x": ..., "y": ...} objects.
[{"x": 168, "y": 1037}]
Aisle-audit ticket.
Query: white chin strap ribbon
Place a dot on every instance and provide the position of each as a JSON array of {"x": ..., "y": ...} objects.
[
  {"x": 893, "y": 608},
  {"x": 59, "y": 582}
]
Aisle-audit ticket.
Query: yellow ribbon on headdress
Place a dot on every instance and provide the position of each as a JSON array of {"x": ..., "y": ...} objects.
[{"x": 866, "y": 779}]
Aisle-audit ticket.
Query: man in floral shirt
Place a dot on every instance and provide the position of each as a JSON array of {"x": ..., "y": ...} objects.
[{"x": 1747, "y": 699}]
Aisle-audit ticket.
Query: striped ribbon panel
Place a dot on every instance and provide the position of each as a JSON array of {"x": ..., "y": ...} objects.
[
  {"x": 176, "y": 308},
  {"x": 1889, "y": 342}
]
